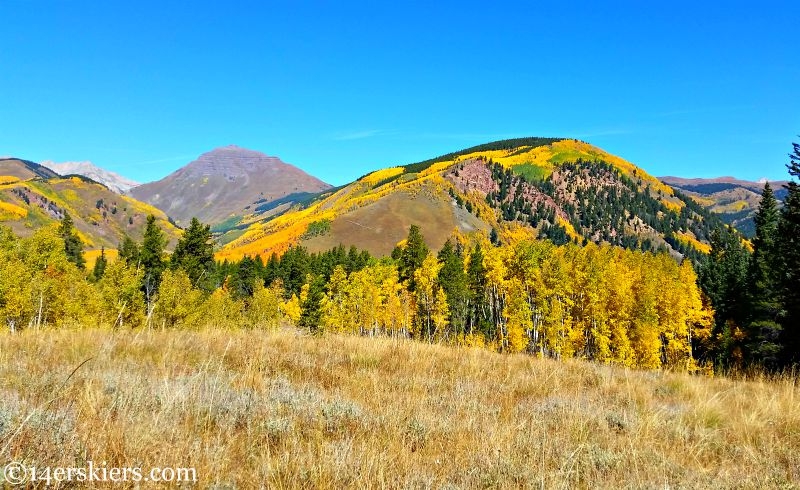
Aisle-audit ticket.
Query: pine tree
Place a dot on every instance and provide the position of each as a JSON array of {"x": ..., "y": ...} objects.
[
  {"x": 245, "y": 277},
  {"x": 311, "y": 308},
  {"x": 194, "y": 253},
  {"x": 412, "y": 256},
  {"x": 453, "y": 279},
  {"x": 100, "y": 265},
  {"x": 724, "y": 280},
  {"x": 789, "y": 251},
  {"x": 72, "y": 243},
  {"x": 763, "y": 288},
  {"x": 151, "y": 257},
  {"x": 129, "y": 251},
  {"x": 494, "y": 237}
]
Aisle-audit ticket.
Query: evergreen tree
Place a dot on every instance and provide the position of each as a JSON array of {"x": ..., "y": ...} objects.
[
  {"x": 100, "y": 265},
  {"x": 412, "y": 256},
  {"x": 129, "y": 251},
  {"x": 194, "y": 253},
  {"x": 151, "y": 257},
  {"x": 311, "y": 308},
  {"x": 494, "y": 237},
  {"x": 763, "y": 288},
  {"x": 453, "y": 280},
  {"x": 789, "y": 251},
  {"x": 245, "y": 277},
  {"x": 724, "y": 280},
  {"x": 72, "y": 243}
]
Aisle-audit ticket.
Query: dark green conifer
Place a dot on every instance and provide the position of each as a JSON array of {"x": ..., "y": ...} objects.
[
  {"x": 194, "y": 253},
  {"x": 763, "y": 284},
  {"x": 789, "y": 261},
  {"x": 100, "y": 265},
  {"x": 72, "y": 243}
]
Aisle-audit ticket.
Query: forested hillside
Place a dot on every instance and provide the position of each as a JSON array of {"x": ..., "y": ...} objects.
[
  {"x": 565, "y": 190},
  {"x": 33, "y": 196},
  {"x": 734, "y": 201}
]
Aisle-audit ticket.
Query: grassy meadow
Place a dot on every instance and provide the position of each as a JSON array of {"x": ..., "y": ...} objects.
[{"x": 282, "y": 409}]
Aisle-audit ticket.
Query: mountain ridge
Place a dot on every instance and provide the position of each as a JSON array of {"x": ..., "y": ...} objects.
[
  {"x": 114, "y": 181},
  {"x": 734, "y": 200},
  {"x": 537, "y": 187}
]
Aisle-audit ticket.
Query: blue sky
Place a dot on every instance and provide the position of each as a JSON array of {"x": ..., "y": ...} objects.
[{"x": 343, "y": 88}]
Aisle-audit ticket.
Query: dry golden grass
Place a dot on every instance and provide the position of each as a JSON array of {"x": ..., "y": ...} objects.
[{"x": 284, "y": 410}]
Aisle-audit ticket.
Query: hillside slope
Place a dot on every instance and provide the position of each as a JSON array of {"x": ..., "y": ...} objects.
[
  {"x": 735, "y": 201},
  {"x": 557, "y": 188},
  {"x": 223, "y": 184},
  {"x": 32, "y": 196}
]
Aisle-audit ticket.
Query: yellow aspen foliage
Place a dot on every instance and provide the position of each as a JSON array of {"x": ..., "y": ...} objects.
[
  {"x": 619, "y": 303},
  {"x": 220, "y": 310},
  {"x": 426, "y": 278},
  {"x": 336, "y": 315},
  {"x": 176, "y": 301},
  {"x": 440, "y": 314},
  {"x": 263, "y": 309},
  {"x": 555, "y": 306},
  {"x": 518, "y": 318},
  {"x": 699, "y": 316},
  {"x": 395, "y": 313},
  {"x": 121, "y": 299},
  {"x": 364, "y": 300},
  {"x": 645, "y": 329},
  {"x": 291, "y": 309}
]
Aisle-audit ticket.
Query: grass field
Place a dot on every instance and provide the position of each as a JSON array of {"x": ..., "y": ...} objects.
[{"x": 285, "y": 410}]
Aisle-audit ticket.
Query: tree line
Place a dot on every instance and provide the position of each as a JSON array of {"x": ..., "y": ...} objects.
[{"x": 596, "y": 302}]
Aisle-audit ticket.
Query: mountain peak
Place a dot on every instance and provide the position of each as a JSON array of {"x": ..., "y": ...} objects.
[
  {"x": 224, "y": 183},
  {"x": 112, "y": 180}
]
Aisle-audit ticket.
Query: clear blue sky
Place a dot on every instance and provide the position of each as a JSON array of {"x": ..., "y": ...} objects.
[{"x": 342, "y": 88}]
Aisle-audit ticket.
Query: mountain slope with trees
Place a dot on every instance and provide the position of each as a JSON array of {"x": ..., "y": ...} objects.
[
  {"x": 566, "y": 190},
  {"x": 734, "y": 201},
  {"x": 33, "y": 196}
]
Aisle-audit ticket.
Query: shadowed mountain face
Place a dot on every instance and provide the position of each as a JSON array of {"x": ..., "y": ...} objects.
[
  {"x": 735, "y": 201},
  {"x": 113, "y": 181},
  {"x": 224, "y": 184}
]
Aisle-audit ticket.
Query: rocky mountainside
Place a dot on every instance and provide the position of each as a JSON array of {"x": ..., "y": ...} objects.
[
  {"x": 734, "y": 200},
  {"x": 113, "y": 181},
  {"x": 227, "y": 183}
]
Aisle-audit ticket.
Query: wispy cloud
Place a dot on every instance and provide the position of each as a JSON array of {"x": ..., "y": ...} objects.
[{"x": 358, "y": 135}]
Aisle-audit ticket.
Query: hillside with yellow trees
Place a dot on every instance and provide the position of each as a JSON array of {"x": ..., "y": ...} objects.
[
  {"x": 561, "y": 189},
  {"x": 33, "y": 196}
]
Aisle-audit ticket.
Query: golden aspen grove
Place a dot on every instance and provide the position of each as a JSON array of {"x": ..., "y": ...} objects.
[{"x": 600, "y": 303}]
